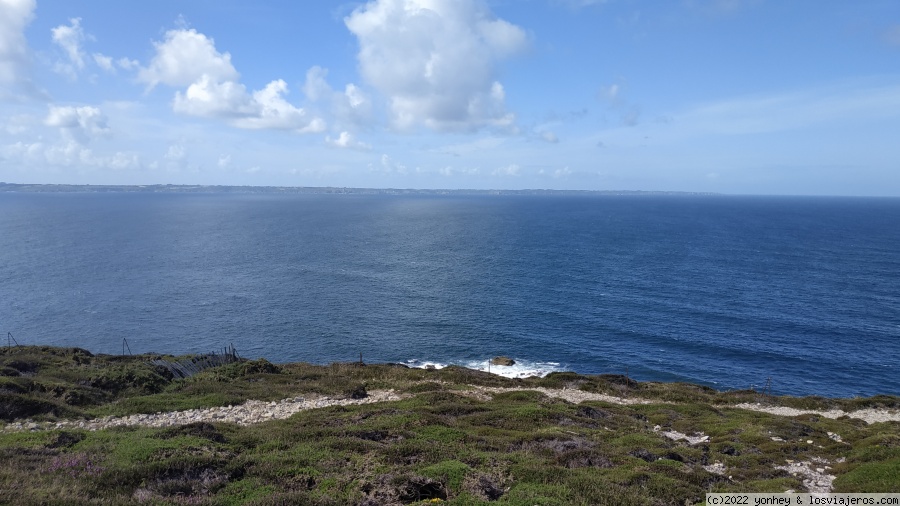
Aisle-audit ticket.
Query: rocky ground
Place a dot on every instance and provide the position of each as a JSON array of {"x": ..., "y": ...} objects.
[{"x": 104, "y": 429}]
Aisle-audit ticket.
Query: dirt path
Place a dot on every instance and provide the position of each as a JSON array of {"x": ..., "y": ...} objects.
[
  {"x": 578, "y": 396},
  {"x": 252, "y": 412}
]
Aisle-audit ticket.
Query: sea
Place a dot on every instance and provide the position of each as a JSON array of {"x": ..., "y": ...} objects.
[{"x": 795, "y": 295}]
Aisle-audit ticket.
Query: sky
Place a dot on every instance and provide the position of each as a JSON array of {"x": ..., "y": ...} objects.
[{"x": 797, "y": 97}]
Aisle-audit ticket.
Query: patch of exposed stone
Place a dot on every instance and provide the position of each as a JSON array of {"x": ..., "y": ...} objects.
[
  {"x": 571, "y": 395},
  {"x": 715, "y": 468},
  {"x": 813, "y": 472},
  {"x": 674, "y": 435},
  {"x": 867, "y": 415}
]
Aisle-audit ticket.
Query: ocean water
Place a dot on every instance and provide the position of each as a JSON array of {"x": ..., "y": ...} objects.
[{"x": 724, "y": 291}]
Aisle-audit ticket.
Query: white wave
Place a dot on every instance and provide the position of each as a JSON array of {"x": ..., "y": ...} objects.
[{"x": 521, "y": 369}]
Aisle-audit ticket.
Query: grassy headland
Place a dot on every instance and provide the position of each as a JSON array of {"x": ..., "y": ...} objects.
[{"x": 450, "y": 439}]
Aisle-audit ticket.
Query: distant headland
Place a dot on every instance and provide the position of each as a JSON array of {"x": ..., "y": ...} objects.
[{"x": 315, "y": 190}]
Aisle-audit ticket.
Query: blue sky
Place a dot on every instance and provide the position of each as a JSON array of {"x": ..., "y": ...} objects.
[{"x": 731, "y": 96}]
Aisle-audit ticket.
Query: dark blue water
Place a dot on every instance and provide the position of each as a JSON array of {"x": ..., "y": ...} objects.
[{"x": 722, "y": 291}]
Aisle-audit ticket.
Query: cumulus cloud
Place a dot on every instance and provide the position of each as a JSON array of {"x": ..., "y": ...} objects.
[
  {"x": 188, "y": 58},
  {"x": 14, "y": 17},
  {"x": 176, "y": 153},
  {"x": 436, "y": 60},
  {"x": 562, "y": 173},
  {"x": 273, "y": 111},
  {"x": 104, "y": 62},
  {"x": 629, "y": 114},
  {"x": 452, "y": 171},
  {"x": 610, "y": 92},
  {"x": 185, "y": 57},
  {"x": 77, "y": 127},
  {"x": 79, "y": 124},
  {"x": 127, "y": 64},
  {"x": 67, "y": 153},
  {"x": 508, "y": 170},
  {"x": 70, "y": 38},
  {"x": 389, "y": 166},
  {"x": 350, "y": 108},
  {"x": 346, "y": 141},
  {"x": 549, "y": 136},
  {"x": 211, "y": 98},
  {"x": 18, "y": 124}
]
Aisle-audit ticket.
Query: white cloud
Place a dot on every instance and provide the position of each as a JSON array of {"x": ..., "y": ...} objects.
[
  {"x": 70, "y": 38},
  {"x": 451, "y": 171},
  {"x": 436, "y": 60},
  {"x": 273, "y": 111},
  {"x": 77, "y": 126},
  {"x": 176, "y": 153},
  {"x": 389, "y": 166},
  {"x": 14, "y": 17},
  {"x": 346, "y": 141},
  {"x": 67, "y": 153},
  {"x": 508, "y": 170},
  {"x": 210, "y": 98},
  {"x": 316, "y": 87},
  {"x": 610, "y": 92},
  {"x": 188, "y": 58},
  {"x": 80, "y": 124},
  {"x": 629, "y": 114},
  {"x": 549, "y": 136},
  {"x": 562, "y": 173},
  {"x": 104, "y": 62},
  {"x": 18, "y": 124},
  {"x": 349, "y": 108},
  {"x": 127, "y": 64},
  {"x": 23, "y": 151},
  {"x": 184, "y": 58},
  {"x": 355, "y": 96},
  {"x": 224, "y": 161}
]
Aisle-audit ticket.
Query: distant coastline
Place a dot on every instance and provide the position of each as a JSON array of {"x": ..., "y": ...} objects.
[{"x": 314, "y": 190}]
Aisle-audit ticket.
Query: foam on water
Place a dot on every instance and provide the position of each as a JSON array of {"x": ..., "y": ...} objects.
[{"x": 521, "y": 369}]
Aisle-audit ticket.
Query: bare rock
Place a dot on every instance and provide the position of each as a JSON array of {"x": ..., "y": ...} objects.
[{"x": 504, "y": 361}]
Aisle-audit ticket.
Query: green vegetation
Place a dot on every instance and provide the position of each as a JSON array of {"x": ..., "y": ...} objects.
[{"x": 440, "y": 444}]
